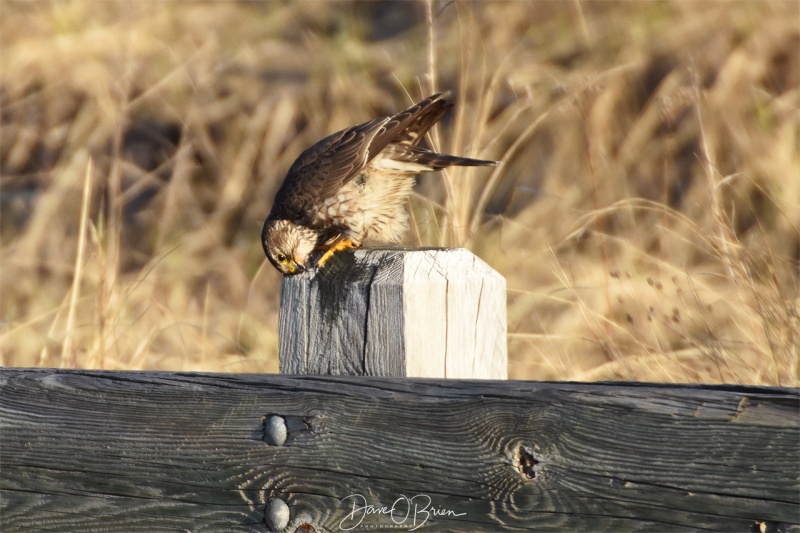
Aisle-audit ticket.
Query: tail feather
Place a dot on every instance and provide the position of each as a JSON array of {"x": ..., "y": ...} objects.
[
  {"x": 399, "y": 144},
  {"x": 440, "y": 161},
  {"x": 421, "y": 156}
]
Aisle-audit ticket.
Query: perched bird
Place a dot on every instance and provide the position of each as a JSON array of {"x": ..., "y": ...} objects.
[{"x": 352, "y": 186}]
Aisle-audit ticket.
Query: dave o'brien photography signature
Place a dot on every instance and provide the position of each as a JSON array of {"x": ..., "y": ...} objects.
[{"x": 412, "y": 512}]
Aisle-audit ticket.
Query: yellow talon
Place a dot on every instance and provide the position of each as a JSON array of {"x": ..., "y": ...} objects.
[{"x": 344, "y": 244}]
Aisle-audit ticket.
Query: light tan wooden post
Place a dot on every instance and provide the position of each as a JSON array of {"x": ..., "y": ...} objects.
[{"x": 392, "y": 312}]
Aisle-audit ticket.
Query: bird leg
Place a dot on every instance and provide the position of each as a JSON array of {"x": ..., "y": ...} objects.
[{"x": 344, "y": 244}]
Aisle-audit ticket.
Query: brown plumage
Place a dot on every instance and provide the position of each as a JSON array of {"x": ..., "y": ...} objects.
[{"x": 352, "y": 186}]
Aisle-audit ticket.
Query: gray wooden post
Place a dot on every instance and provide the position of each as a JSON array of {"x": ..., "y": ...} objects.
[{"x": 395, "y": 312}]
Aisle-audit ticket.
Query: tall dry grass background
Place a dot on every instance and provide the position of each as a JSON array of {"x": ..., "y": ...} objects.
[{"x": 646, "y": 213}]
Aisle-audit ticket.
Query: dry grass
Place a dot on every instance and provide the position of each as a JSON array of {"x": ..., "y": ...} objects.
[{"x": 646, "y": 214}]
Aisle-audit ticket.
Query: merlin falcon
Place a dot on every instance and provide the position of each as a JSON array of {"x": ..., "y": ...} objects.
[{"x": 352, "y": 186}]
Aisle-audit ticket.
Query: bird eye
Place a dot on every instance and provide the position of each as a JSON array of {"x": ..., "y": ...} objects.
[{"x": 281, "y": 258}]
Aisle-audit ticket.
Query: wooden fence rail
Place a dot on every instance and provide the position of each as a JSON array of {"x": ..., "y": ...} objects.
[{"x": 160, "y": 451}]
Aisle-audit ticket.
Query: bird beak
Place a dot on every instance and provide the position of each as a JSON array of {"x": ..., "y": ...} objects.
[{"x": 299, "y": 268}]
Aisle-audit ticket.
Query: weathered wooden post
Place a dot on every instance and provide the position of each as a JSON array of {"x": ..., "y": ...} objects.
[{"x": 396, "y": 312}]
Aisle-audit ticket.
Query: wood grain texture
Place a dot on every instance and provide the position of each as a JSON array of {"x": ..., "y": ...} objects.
[
  {"x": 129, "y": 451},
  {"x": 394, "y": 312}
]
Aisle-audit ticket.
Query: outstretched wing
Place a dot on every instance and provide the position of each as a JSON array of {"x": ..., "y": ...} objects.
[{"x": 325, "y": 167}]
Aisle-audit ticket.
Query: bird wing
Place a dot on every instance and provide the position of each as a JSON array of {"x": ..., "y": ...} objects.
[
  {"x": 324, "y": 167},
  {"x": 423, "y": 116},
  {"x": 321, "y": 170}
]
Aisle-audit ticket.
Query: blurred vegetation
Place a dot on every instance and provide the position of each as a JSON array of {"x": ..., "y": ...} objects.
[{"x": 645, "y": 213}]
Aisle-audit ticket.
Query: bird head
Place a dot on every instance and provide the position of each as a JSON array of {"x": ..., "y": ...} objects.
[{"x": 288, "y": 245}]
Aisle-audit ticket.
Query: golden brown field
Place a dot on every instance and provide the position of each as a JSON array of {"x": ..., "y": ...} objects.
[{"x": 646, "y": 213}]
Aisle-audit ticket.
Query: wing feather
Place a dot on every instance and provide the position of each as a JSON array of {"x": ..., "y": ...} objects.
[{"x": 321, "y": 170}]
